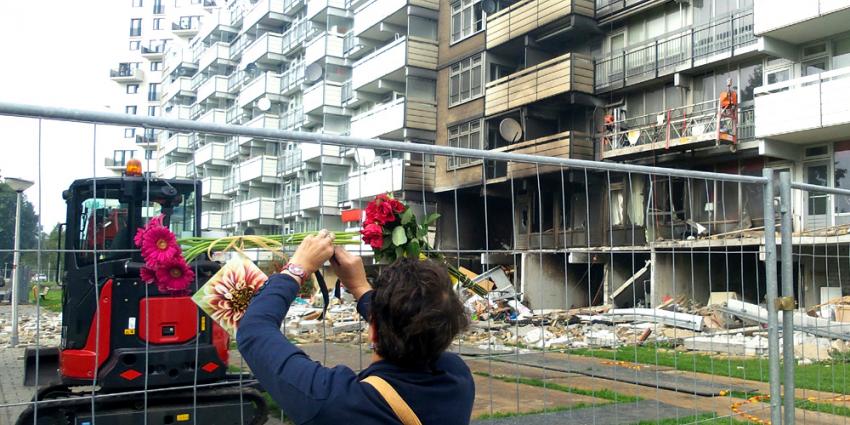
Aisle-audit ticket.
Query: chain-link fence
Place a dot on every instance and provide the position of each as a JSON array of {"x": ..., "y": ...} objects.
[{"x": 605, "y": 292}]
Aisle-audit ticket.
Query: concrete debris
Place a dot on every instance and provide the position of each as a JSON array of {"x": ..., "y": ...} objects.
[{"x": 44, "y": 330}]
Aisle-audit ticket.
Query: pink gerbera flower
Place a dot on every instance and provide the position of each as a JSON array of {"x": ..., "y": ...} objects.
[
  {"x": 174, "y": 275},
  {"x": 140, "y": 233},
  {"x": 147, "y": 275},
  {"x": 158, "y": 246},
  {"x": 229, "y": 292}
]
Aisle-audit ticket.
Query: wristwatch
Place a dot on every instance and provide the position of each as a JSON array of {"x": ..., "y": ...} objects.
[{"x": 295, "y": 270}]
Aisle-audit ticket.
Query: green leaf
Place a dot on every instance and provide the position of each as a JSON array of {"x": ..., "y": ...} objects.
[
  {"x": 399, "y": 238},
  {"x": 413, "y": 249},
  {"x": 399, "y": 252},
  {"x": 431, "y": 218},
  {"x": 421, "y": 231},
  {"x": 406, "y": 216}
]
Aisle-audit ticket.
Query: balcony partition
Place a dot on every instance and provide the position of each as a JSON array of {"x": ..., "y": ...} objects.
[
  {"x": 268, "y": 49},
  {"x": 525, "y": 16},
  {"x": 210, "y": 154},
  {"x": 686, "y": 49},
  {"x": 567, "y": 73},
  {"x": 213, "y": 188},
  {"x": 218, "y": 52},
  {"x": 212, "y": 220},
  {"x": 215, "y": 86},
  {"x": 266, "y": 85},
  {"x": 325, "y": 45},
  {"x": 257, "y": 209},
  {"x": 259, "y": 169},
  {"x": 389, "y": 120}
]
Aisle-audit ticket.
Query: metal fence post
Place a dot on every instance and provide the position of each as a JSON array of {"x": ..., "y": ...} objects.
[
  {"x": 770, "y": 298},
  {"x": 787, "y": 294}
]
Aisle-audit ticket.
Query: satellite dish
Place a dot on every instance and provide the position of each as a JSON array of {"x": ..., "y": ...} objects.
[
  {"x": 250, "y": 67},
  {"x": 364, "y": 156},
  {"x": 488, "y": 6},
  {"x": 510, "y": 130},
  {"x": 264, "y": 104},
  {"x": 313, "y": 73}
]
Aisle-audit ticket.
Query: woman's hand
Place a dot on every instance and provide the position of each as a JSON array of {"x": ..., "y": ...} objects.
[
  {"x": 314, "y": 251},
  {"x": 349, "y": 269}
]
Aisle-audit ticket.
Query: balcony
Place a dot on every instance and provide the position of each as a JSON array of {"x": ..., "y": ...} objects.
[
  {"x": 562, "y": 145},
  {"x": 259, "y": 169},
  {"x": 567, "y": 73},
  {"x": 689, "y": 48},
  {"x": 179, "y": 112},
  {"x": 368, "y": 182},
  {"x": 266, "y": 85},
  {"x": 289, "y": 162},
  {"x": 264, "y": 12},
  {"x": 291, "y": 79},
  {"x": 216, "y": 116},
  {"x": 317, "y": 9},
  {"x": 127, "y": 75},
  {"x": 323, "y": 197},
  {"x": 154, "y": 52},
  {"x": 186, "y": 27},
  {"x": 295, "y": 36},
  {"x": 268, "y": 49},
  {"x": 178, "y": 144},
  {"x": 390, "y": 120},
  {"x": 181, "y": 86},
  {"x": 684, "y": 128},
  {"x": 176, "y": 170},
  {"x": 607, "y": 9},
  {"x": 800, "y": 22},
  {"x": 260, "y": 121},
  {"x": 289, "y": 206},
  {"x": 146, "y": 140},
  {"x": 368, "y": 18},
  {"x": 212, "y": 220},
  {"x": 327, "y": 44},
  {"x": 217, "y": 53},
  {"x": 292, "y": 119},
  {"x": 179, "y": 61},
  {"x": 211, "y": 154},
  {"x": 215, "y": 23},
  {"x": 117, "y": 166},
  {"x": 526, "y": 16},
  {"x": 214, "y": 87},
  {"x": 388, "y": 63},
  {"x": 213, "y": 188},
  {"x": 323, "y": 94},
  {"x": 805, "y": 110},
  {"x": 311, "y": 152},
  {"x": 259, "y": 210}
]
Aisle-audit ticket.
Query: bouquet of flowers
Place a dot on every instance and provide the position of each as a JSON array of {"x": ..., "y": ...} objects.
[
  {"x": 393, "y": 232},
  {"x": 164, "y": 262}
]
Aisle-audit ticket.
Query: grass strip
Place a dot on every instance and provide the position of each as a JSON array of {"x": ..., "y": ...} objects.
[{"x": 603, "y": 394}]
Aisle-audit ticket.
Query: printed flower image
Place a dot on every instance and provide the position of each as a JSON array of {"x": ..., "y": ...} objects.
[{"x": 226, "y": 296}]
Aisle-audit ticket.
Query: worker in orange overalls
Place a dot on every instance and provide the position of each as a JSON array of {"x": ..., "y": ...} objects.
[{"x": 728, "y": 106}]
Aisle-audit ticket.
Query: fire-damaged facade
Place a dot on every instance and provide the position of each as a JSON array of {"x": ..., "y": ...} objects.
[{"x": 708, "y": 85}]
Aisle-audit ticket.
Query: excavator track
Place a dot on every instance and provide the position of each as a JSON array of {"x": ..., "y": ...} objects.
[{"x": 206, "y": 406}]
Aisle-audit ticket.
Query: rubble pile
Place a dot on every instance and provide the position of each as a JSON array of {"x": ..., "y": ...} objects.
[{"x": 49, "y": 329}]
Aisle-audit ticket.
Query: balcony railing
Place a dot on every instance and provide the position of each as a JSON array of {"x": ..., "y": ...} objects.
[
  {"x": 289, "y": 205},
  {"x": 210, "y": 154},
  {"x": 155, "y": 50},
  {"x": 261, "y": 10},
  {"x": 684, "y": 50},
  {"x": 292, "y": 78},
  {"x": 267, "y": 49},
  {"x": 212, "y": 220},
  {"x": 218, "y": 52},
  {"x": 289, "y": 162},
  {"x": 127, "y": 74},
  {"x": 267, "y": 84},
  {"x": 327, "y": 44},
  {"x": 566, "y": 73},
  {"x": 685, "y": 127},
  {"x": 568, "y": 144},
  {"x": 525, "y": 16},
  {"x": 292, "y": 118},
  {"x": 260, "y": 169},
  {"x": 606, "y": 8},
  {"x": 799, "y": 109}
]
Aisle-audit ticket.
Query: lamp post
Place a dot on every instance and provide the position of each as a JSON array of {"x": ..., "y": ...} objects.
[{"x": 19, "y": 186}]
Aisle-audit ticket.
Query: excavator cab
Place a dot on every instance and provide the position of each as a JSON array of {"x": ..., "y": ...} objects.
[{"x": 122, "y": 335}]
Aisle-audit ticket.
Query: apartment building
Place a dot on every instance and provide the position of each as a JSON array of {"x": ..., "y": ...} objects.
[
  {"x": 639, "y": 82},
  {"x": 153, "y": 25},
  {"x": 362, "y": 68}
]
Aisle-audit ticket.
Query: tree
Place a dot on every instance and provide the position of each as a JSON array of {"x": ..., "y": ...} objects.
[{"x": 30, "y": 229}]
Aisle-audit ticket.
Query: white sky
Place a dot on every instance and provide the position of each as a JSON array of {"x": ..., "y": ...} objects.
[{"x": 58, "y": 53}]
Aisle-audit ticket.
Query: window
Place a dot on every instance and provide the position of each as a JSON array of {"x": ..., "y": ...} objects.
[
  {"x": 157, "y": 23},
  {"x": 467, "y": 19},
  {"x": 132, "y": 88},
  {"x": 465, "y": 135},
  {"x": 153, "y": 111},
  {"x": 158, "y": 8},
  {"x": 149, "y": 154},
  {"x": 129, "y": 133},
  {"x": 153, "y": 95},
  {"x": 137, "y": 3},
  {"x": 841, "y": 53},
  {"x": 466, "y": 79},
  {"x": 841, "y": 173},
  {"x": 135, "y": 27},
  {"x": 156, "y": 65},
  {"x": 130, "y": 110},
  {"x": 134, "y": 45}
]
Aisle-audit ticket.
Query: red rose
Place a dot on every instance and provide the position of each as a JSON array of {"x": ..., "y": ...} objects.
[
  {"x": 379, "y": 212},
  {"x": 373, "y": 234}
]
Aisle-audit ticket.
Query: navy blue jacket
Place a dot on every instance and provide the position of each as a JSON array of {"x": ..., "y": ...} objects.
[{"x": 310, "y": 393}]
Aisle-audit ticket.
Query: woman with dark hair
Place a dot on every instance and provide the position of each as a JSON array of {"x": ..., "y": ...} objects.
[{"x": 413, "y": 316}]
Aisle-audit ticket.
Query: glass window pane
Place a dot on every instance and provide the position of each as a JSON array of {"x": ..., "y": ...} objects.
[
  {"x": 841, "y": 169},
  {"x": 840, "y": 53},
  {"x": 464, "y": 85}
]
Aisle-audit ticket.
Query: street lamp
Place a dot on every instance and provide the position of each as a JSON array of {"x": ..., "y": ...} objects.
[{"x": 19, "y": 186}]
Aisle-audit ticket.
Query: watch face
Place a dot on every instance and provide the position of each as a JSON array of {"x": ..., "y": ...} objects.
[{"x": 296, "y": 269}]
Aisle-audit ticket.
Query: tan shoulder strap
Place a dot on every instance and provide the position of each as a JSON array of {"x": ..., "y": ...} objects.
[{"x": 404, "y": 413}]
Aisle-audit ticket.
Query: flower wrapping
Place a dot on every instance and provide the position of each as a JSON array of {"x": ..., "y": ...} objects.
[{"x": 226, "y": 295}]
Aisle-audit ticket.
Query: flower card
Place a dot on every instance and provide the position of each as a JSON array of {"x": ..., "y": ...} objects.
[{"x": 226, "y": 296}]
